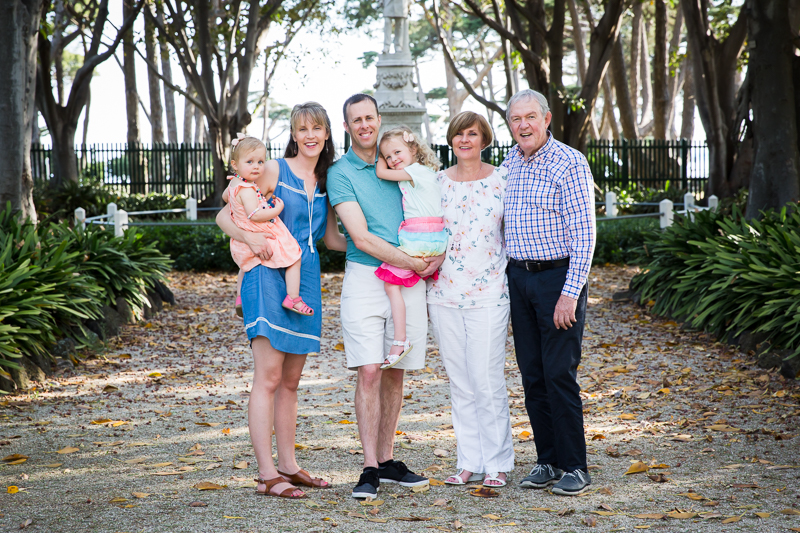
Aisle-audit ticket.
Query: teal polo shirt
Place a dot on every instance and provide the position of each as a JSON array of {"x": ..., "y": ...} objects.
[{"x": 351, "y": 179}]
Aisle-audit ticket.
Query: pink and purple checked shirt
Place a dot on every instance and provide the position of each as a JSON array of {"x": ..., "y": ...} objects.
[{"x": 549, "y": 209}]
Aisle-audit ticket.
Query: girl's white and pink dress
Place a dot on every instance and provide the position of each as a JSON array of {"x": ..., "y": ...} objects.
[
  {"x": 422, "y": 232},
  {"x": 285, "y": 250}
]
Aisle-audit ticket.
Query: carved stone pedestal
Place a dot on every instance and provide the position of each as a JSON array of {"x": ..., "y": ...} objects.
[{"x": 397, "y": 99}]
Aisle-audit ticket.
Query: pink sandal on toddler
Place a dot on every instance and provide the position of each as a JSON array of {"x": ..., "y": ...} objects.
[{"x": 291, "y": 303}]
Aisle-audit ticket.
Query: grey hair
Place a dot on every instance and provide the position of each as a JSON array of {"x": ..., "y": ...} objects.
[{"x": 527, "y": 94}]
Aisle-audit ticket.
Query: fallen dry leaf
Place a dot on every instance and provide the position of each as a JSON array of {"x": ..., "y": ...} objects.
[
  {"x": 140, "y": 495},
  {"x": 198, "y": 504},
  {"x": 15, "y": 459},
  {"x": 650, "y": 516},
  {"x": 439, "y": 452},
  {"x": 731, "y": 519},
  {"x": 637, "y": 468},
  {"x": 421, "y": 488},
  {"x": 484, "y": 492},
  {"x": 491, "y": 516},
  {"x": 205, "y": 485},
  {"x": 590, "y": 521},
  {"x": 68, "y": 449}
]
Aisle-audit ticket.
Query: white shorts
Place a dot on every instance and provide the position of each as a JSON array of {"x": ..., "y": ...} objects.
[{"x": 367, "y": 319}]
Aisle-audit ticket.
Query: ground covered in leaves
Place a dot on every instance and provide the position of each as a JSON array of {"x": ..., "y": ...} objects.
[{"x": 684, "y": 434}]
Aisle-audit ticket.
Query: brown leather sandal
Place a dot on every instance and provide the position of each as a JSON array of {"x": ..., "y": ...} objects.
[
  {"x": 287, "y": 493},
  {"x": 301, "y": 477}
]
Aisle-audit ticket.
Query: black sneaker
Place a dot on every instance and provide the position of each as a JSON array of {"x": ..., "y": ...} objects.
[
  {"x": 368, "y": 484},
  {"x": 541, "y": 477},
  {"x": 397, "y": 472},
  {"x": 573, "y": 483}
]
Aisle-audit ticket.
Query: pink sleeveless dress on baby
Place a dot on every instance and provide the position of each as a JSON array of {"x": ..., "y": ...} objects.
[{"x": 285, "y": 250}]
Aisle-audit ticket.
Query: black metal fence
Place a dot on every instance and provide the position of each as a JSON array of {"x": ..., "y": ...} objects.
[
  {"x": 188, "y": 168},
  {"x": 169, "y": 168},
  {"x": 649, "y": 164}
]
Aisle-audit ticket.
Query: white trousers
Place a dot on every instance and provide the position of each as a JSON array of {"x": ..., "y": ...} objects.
[{"x": 472, "y": 343}]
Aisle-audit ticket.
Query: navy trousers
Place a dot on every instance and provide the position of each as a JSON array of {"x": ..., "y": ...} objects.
[{"x": 548, "y": 360}]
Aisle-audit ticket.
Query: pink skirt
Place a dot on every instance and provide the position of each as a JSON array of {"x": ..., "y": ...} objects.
[{"x": 400, "y": 276}]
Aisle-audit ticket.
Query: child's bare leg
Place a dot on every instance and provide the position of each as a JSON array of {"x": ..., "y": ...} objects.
[
  {"x": 398, "y": 306},
  {"x": 293, "y": 280}
]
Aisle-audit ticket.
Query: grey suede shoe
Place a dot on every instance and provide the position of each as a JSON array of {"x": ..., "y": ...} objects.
[
  {"x": 541, "y": 477},
  {"x": 573, "y": 483}
]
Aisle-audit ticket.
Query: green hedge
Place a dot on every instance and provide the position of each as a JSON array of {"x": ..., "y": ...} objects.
[
  {"x": 202, "y": 248},
  {"x": 53, "y": 280},
  {"x": 621, "y": 241},
  {"x": 727, "y": 275}
]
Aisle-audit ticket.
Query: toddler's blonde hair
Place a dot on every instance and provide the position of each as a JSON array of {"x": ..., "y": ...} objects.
[
  {"x": 245, "y": 146},
  {"x": 425, "y": 155}
]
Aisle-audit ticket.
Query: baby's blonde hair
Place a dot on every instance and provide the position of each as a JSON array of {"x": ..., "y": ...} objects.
[
  {"x": 424, "y": 154},
  {"x": 245, "y": 146}
]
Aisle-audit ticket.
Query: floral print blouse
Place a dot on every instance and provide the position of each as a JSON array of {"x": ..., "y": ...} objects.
[{"x": 474, "y": 270}]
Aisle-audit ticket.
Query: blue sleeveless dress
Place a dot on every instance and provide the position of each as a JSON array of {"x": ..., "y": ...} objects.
[{"x": 263, "y": 289}]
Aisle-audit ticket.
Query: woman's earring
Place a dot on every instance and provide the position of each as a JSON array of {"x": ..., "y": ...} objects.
[{"x": 326, "y": 147}]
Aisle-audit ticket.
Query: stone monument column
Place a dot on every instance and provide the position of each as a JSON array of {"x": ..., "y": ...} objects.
[{"x": 395, "y": 92}]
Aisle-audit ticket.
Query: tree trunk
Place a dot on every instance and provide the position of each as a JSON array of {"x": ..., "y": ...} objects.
[
  {"x": 644, "y": 74},
  {"x": 577, "y": 38},
  {"x": 674, "y": 77},
  {"x": 660, "y": 90},
  {"x": 188, "y": 114},
  {"x": 199, "y": 127},
  {"x": 636, "y": 47},
  {"x": 687, "y": 120},
  {"x": 608, "y": 108},
  {"x": 555, "y": 47},
  {"x": 775, "y": 176},
  {"x": 129, "y": 69},
  {"x": 714, "y": 73},
  {"x": 19, "y": 30},
  {"x": 627, "y": 115},
  {"x": 576, "y": 124},
  {"x": 169, "y": 94},
  {"x": 154, "y": 84}
]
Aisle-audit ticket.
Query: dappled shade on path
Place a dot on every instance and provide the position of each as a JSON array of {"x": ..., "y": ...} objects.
[{"x": 152, "y": 435}]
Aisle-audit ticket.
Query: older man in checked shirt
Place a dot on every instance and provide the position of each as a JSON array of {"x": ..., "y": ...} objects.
[{"x": 550, "y": 236}]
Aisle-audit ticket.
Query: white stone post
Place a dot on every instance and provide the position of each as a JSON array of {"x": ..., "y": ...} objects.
[
  {"x": 80, "y": 218},
  {"x": 688, "y": 205},
  {"x": 665, "y": 207},
  {"x": 611, "y": 204},
  {"x": 713, "y": 202},
  {"x": 110, "y": 210},
  {"x": 191, "y": 209},
  {"x": 120, "y": 222}
]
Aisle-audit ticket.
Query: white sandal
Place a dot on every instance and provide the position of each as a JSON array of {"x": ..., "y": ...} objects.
[
  {"x": 473, "y": 477},
  {"x": 495, "y": 476},
  {"x": 396, "y": 358}
]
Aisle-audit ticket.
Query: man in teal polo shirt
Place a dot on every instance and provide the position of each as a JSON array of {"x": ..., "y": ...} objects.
[{"x": 371, "y": 211}]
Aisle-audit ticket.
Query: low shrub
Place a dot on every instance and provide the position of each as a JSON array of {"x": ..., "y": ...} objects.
[
  {"x": 53, "y": 280},
  {"x": 620, "y": 241},
  {"x": 726, "y": 275}
]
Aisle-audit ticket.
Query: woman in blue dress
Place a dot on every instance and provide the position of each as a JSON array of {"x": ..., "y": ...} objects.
[{"x": 281, "y": 339}]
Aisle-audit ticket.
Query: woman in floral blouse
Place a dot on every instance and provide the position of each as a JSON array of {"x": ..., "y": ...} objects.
[{"x": 469, "y": 306}]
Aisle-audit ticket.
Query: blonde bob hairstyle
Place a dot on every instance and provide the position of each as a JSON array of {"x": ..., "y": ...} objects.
[
  {"x": 468, "y": 119},
  {"x": 424, "y": 154}
]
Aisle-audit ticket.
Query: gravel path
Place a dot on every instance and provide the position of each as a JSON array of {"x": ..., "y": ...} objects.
[{"x": 126, "y": 441}]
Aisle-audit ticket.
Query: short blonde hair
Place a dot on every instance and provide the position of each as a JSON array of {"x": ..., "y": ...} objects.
[
  {"x": 245, "y": 146},
  {"x": 425, "y": 155},
  {"x": 467, "y": 119}
]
